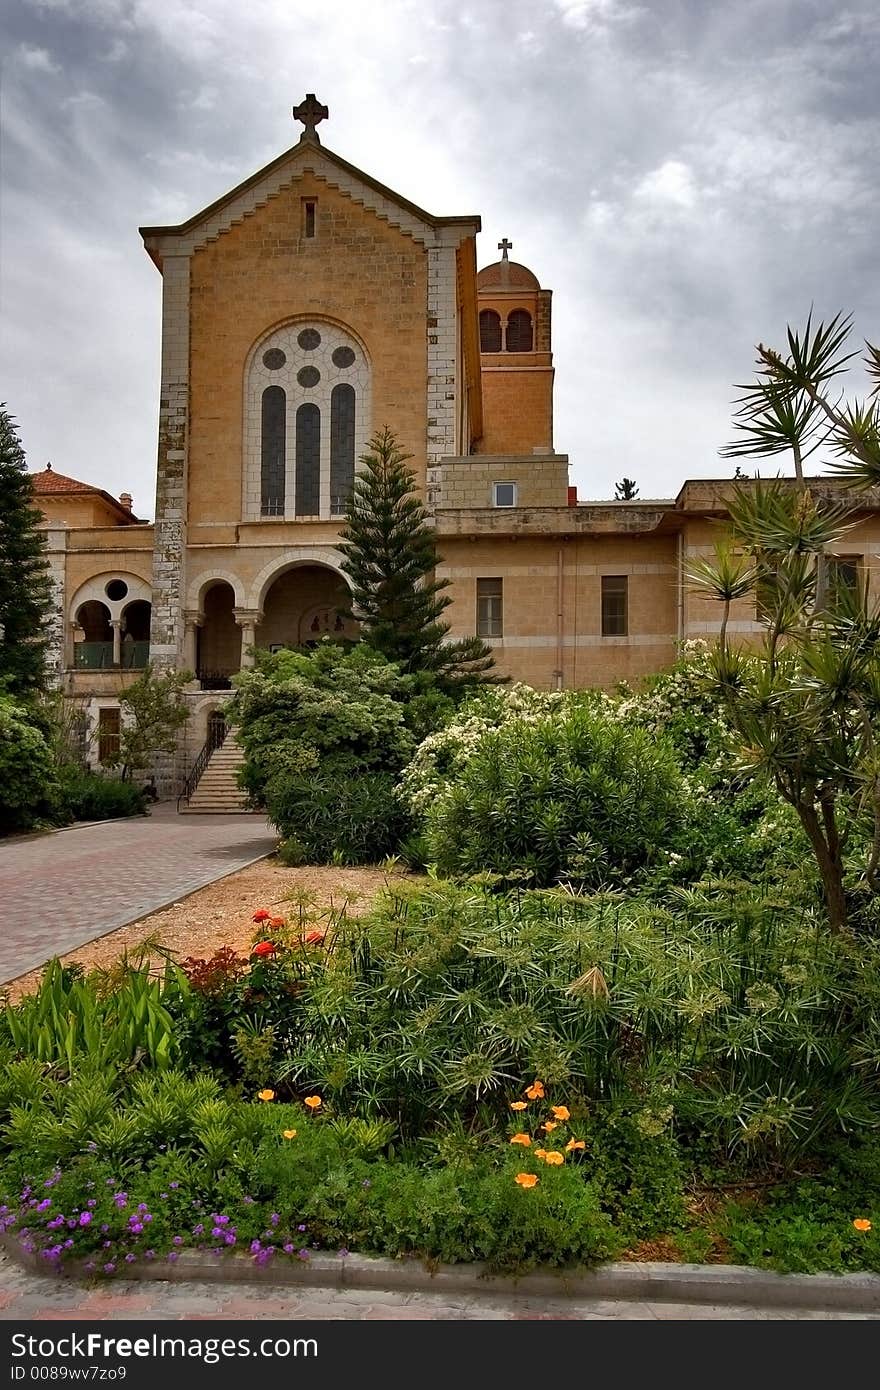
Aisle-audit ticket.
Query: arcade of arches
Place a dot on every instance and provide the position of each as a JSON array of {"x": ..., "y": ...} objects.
[{"x": 301, "y": 605}]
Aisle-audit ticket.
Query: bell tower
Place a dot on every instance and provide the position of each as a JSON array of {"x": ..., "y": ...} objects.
[{"x": 516, "y": 360}]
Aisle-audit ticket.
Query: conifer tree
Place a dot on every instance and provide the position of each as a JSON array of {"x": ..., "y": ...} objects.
[
  {"x": 390, "y": 559},
  {"x": 25, "y": 584},
  {"x": 626, "y": 490}
]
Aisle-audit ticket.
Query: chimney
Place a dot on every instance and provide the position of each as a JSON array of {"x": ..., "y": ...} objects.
[{"x": 125, "y": 500}]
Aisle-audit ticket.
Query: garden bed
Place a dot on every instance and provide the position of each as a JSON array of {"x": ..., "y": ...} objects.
[{"x": 222, "y": 914}]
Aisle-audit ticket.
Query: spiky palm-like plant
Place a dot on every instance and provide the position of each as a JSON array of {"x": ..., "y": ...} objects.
[{"x": 806, "y": 704}]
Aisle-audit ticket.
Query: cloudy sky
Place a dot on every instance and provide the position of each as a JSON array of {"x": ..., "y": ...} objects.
[{"x": 687, "y": 176}]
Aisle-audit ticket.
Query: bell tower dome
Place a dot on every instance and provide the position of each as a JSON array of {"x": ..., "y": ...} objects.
[{"x": 516, "y": 359}]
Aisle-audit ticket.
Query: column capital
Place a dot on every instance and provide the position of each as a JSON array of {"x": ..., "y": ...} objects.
[
  {"x": 193, "y": 616},
  {"x": 247, "y": 617}
]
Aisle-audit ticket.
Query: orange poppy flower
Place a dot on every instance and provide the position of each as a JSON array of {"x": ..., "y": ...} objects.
[
  {"x": 313, "y": 1102},
  {"x": 518, "y": 1105},
  {"x": 264, "y": 948},
  {"x": 540, "y": 1153},
  {"x": 526, "y": 1179},
  {"x": 554, "y": 1158},
  {"x": 574, "y": 1144},
  {"x": 288, "y": 1134},
  {"x": 549, "y": 1125},
  {"x": 266, "y": 1094},
  {"x": 535, "y": 1091},
  {"x": 561, "y": 1112},
  {"x": 523, "y": 1139},
  {"x": 276, "y": 921},
  {"x": 862, "y": 1224},
  {"x": 261, "y": 915}
]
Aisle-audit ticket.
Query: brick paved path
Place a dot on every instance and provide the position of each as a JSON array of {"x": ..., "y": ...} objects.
[
  {"x": 59, "y": 891},
  {"x": 28, "y": 1297}
]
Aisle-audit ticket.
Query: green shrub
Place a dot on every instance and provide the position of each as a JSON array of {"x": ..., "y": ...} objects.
[
  {"x": 347, "y": 819},
  {"x": 337, "y": 709},
  {"x": 73, "y": 1021},
  {"x": 576, "y": 796},
  {"x": 90, "y": 796},
  {"x": 29, "y": 790}
]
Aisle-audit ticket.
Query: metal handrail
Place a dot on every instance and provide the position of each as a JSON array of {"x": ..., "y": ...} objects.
[{"x": 216, "y": 738}]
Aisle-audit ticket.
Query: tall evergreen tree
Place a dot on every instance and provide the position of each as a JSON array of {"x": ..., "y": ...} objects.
[
  {"x": 391, "y": 558},
  {"x": 626, "y": 490},
  {"x": 25, "y": 585}
]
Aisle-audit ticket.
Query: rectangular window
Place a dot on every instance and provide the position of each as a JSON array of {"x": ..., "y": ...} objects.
[
  {"x": 108, "y": 735},
  {"x": 614, "y": 605},
  {"x": 504, "y": 495},
  {"x": 844, "y": 574},
  {"x": 309, "y": 206},
  {"x": 766, "y": 590},
  {"x": 490, "y": 608}
]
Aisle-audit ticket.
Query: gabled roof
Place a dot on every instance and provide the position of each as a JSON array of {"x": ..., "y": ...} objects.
[
  {"x": 266, "y": 182},
  {"x": 48, "y": 483}
]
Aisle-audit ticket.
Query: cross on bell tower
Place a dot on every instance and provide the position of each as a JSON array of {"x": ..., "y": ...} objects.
[
  {"x": 310, "y": 112},
  {"x": 504, "y": 246}
]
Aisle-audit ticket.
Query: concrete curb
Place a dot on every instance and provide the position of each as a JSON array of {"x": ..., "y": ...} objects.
[{"x": 651, "y": 1282}]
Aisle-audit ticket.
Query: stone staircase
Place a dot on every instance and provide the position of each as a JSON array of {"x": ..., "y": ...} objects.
[{"x": 218, "y": 792}]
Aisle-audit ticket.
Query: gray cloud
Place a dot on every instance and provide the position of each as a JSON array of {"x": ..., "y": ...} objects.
[{"x": 686, "y": 176}]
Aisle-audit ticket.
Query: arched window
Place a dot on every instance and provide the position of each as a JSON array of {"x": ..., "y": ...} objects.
[
  {"x": 307, "y": 414},
  {"x": 519, "y": 331},
  {"x": 273, "y": 443},
  {"x": 342, "y": 402},
  {"x": 308, "y": 460},
  {"x": 490, "y": 331}
]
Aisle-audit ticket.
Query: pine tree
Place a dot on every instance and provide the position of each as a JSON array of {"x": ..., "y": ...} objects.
[
  {"x": 390, "y": 559},
  {"x": 626, "y": 490},
  {"x": 25, "y": 585}
]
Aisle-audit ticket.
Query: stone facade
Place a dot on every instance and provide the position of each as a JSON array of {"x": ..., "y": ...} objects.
[{"x": 583, "y": 593}]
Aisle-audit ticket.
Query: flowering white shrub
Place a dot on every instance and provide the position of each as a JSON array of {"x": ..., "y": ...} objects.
[{"x": 441, "y": 756}]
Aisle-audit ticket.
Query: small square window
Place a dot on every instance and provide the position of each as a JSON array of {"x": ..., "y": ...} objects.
[
  {"x": 614, "y": 605},
  {"x": 504, "y": 495},
  {"x": 490, "y": 608}
]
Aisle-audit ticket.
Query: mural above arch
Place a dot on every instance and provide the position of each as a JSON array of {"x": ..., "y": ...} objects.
[{"x": 306, "y": 421}]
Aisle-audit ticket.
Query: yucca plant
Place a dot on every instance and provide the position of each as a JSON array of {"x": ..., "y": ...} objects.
[{"x": 806, "y": 704}]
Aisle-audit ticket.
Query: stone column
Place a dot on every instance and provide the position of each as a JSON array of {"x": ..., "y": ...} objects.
[
  {"x": 192, "y": 622},
  {"x": 116, "y": 624},
  {"x": 442, "y": 337},
  {"x": 169, "y": 550},
  {"x": 248, "y": 620}
]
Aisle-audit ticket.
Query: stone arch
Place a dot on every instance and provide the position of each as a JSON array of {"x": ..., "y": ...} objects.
[
  {"x": 96, "y": 589},
  {"x": 323, "y": 555},
  {"x": 199, "y": 587}
]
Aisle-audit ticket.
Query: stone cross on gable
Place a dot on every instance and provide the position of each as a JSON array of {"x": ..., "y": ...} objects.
[
  {"x": 504, "y": 246},
  {"x": 310, "y": 112}
]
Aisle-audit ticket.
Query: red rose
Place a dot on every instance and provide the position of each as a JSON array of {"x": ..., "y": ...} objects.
[
  {"x": 261, "y": 915},
  {"x": 265, "y": 948}
]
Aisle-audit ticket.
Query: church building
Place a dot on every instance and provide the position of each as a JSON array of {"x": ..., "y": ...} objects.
[{"x": 302, "y": 311}]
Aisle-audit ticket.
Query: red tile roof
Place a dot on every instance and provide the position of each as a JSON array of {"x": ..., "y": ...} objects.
[{"x": 50, "y": 483}]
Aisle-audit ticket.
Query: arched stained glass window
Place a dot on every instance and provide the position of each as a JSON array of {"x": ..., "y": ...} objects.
[
  {"x": 519, "y": 331},
  {"x": 342, "y": 403},
  {"x": 308, "y": 460},
  {"x": 490, "y": 331},
  {"x": 273, "y": 444}
]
